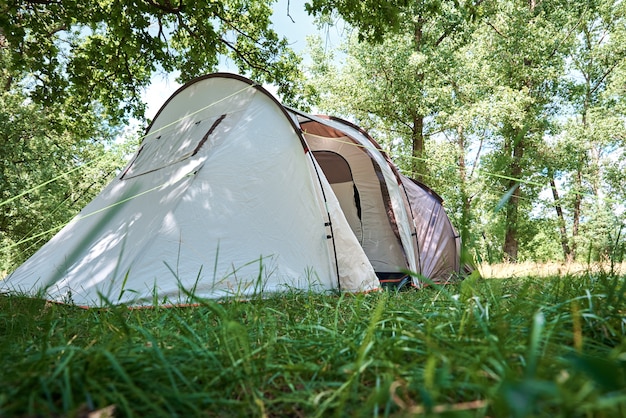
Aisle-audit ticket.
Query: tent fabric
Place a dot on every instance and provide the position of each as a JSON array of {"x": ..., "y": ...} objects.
[
  {"x": 439, "y": 245},
  {"x": 233, "y": 194}
]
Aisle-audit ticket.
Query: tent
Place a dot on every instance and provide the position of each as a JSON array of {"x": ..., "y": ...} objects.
[{"x": 233, "y": 194}]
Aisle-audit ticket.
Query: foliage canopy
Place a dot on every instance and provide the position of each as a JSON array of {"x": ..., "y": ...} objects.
[{"x": 107, "y": 51}]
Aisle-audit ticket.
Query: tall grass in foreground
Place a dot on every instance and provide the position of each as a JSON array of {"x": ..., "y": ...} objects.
[{"x": 515, "y": 347}]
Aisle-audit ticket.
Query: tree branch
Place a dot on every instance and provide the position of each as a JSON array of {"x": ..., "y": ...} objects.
[
  {"x": 44, "y": 2},
  {"x": 605, "y": 75},
  {"x": 288, "y": 12},
  {"x": 496, "y": 29},
  {"x": 244, "y": 58}
]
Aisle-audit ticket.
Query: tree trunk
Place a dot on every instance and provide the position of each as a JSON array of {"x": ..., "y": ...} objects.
[
  {"x": 511, "y": 239},
  {"x": 578, "y": 184},
  {"x": 582, "y": 162},
  {"x": 417, "y": 149},
  {"x": 466, "y": 199},
  {"x": 418, "y": 166},
  {"x": 511, "y": 243},
  {"x": 567, "y": 253}
]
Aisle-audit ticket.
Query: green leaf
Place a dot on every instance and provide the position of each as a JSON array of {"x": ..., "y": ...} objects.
[{"x": 505, "y": 198}]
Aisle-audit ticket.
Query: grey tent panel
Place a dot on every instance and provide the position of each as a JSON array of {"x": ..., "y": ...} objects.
[{"x": 335, "y": 167}]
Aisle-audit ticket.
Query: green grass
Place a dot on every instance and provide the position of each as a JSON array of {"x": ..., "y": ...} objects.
[{"x": 550, "y": 347}]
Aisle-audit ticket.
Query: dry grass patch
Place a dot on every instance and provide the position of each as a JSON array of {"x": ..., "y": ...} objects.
[{"x": 547, "y": 269}]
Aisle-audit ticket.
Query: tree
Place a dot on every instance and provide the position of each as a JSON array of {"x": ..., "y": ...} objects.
[
  {"x": 373, "y": 19},
  {"x": 410, "y": 71},
  {"x": 51, "y": 167},
  {"x": 524, "y": 48},
  {"x": 106, "y": 51},
  {"x": 394, "y": 74},
  {"x": 595, "y": 128}
]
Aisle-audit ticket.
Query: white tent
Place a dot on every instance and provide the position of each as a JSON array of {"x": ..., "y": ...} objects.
[{"x": 232, "y": 194}]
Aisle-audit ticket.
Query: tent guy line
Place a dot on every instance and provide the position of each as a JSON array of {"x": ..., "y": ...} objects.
[
  {"x": 52, "y": 180},
  {"x": 81, "y": 217},
  {"x": 381, "y": 149},
  {"x": 199, "y": 110},
  {"x": 196, "y": 111}
]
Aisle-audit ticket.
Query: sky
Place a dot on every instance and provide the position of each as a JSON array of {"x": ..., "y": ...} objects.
[{"x": 290, "y": 21}]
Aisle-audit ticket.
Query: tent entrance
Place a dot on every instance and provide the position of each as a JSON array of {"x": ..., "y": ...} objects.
[
  {"x": 339, "y": 175},
  {"x": 359, "y": 186}
]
